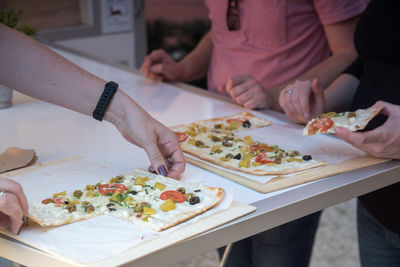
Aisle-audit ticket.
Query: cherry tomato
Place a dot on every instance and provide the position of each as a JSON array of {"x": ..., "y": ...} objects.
[
  {"x": 105, "y": 189},
  {"x": 321, "y": 124},
  {"x": 181, "y": 137},
  {"x": 263, "y": 158},
  {"x": 57, "y": 201},
  {"x": 173, "y": 195}
]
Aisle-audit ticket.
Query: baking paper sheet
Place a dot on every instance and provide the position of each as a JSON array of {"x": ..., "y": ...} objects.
[
  {"x": 322, "y": 147},
  {"x": 94, "y": 239}
]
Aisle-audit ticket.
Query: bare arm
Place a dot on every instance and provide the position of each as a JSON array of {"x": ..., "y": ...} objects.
[
  {"x": 35, "y": 70},
  {"x": 340, "y": 39},
  {"x": 196, "y": 64},
  {"x": 158, "y": 65}
]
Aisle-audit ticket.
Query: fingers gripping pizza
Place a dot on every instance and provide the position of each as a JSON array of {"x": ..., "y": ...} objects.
[
  {"x": 214, "y": 141},
  {"x": 354, "y": 120},
  {"x": 139, "y": 197}
]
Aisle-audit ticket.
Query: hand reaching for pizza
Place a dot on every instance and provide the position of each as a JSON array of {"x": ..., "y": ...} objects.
[
  {"x": 382, "y": 142},
  {"x": 13, "y": 205},
  {"x": 246, "y": 91},
  {"x": 302, "y": 100},
  {"x": 139, "y": 128},
  {"x": 158, "y": 65}
]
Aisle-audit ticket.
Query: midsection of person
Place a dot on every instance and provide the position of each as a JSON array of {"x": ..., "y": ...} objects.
[{"x": 277, "y": 40}]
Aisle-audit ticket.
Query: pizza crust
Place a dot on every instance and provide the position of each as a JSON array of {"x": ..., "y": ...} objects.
[
  {"x": 256, "y": 171},
  {"x": 48, "y": 215},
  {"x": 258, "y": 121},
  {"x": 363, "y": 117}
]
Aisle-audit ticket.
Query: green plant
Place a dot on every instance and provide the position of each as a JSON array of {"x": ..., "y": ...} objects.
[{"x": 13, "y": 19}]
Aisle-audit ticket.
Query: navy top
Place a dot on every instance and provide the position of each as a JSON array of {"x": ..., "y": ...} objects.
[{"x": 377, "y": 40}]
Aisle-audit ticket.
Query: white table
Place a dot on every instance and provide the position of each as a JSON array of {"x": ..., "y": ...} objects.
[{"x": 55, "y": 133}]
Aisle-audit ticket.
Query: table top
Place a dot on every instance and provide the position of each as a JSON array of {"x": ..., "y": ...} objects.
[{"x": 55, "y": 132}]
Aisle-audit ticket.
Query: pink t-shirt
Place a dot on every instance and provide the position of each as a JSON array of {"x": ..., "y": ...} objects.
[{"x": 277, "y": 40}]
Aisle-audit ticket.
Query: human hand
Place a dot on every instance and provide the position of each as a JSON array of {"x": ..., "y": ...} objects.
[
  {"x": 246, "y": 91},
  {"x": 139, "y": 128},
  {"x": 302, "y": 100},
  {"x": 383, "y": 141},
  {"x": 13, "y": 205},
  {"x": 158, "y": 65}
]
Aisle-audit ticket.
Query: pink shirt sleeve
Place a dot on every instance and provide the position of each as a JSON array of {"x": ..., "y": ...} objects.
[{"x": 334, "y": 11}]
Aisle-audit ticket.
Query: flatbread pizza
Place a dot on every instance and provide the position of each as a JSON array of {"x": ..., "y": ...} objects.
[
  {"x": 214, "y": 140},
  {"x": 352, "y": 120},
  {"x": 142, "y": 198}
]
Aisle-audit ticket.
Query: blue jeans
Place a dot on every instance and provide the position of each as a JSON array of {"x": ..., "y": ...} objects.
[
  {"x": 283, "y": 246},
  {"x": 378, "y": 245}
]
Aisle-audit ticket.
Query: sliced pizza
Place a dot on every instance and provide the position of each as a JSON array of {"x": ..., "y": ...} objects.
[
  {"x": 214, "y": 141},
  {"x": 143, "y": 198},
  {"x": 352, "y": 120}
]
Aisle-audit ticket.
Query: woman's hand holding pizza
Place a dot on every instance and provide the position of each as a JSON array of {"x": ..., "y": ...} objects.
[
  {"x": 139, "y": 128},
  {"x": 13, "y": 205},
  {"x": 158, "y": 65},
  {"x": 382, "y": 142},
  {"x": 246, "y": 91},
  {"x": 302, "y": 100}
]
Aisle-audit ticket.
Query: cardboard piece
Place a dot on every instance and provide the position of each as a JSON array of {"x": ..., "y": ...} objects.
[{"x": 15, "y": 158}]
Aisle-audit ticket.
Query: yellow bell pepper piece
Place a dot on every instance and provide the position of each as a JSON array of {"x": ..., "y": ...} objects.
[
  {"x": 168, "y": 205},
  {"x": 149, "y": 211},
  {"x": 159, "y": 186},
  {"x": 63, "y": 193}
]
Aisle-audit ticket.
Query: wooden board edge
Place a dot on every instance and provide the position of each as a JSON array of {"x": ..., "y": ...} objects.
[
  {"x": 285, "y": 181},
  {"x": 35, "y": 167}
]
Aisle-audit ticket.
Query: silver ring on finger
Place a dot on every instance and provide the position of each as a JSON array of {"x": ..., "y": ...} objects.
[
  {"x": 289, "y": 92},
  {"x": 2, "y": 194}
]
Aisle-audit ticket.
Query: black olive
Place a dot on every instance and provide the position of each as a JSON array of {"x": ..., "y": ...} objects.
[
  {"x": 66, "y": 202},
  {"x": 110, "y": 205},
  {"x": 133, "y": 192},
  {"x": 112, "y": 209},
  {"x": 307, "y": 157},
  {"x": 238, "y": 156},
  {"x": 194, "y": 200},
  {"x": 246, "y": 124},
  {"x": 197, "y": 190}
]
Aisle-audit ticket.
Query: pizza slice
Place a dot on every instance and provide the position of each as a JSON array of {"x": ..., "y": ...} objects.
[
  {"x": 352, "y": 120},
  {"x": 142, "y": 198},
  {"x": 215, "y": 141}
]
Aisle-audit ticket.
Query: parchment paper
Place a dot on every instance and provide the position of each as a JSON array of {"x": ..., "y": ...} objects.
[
  {"x": 322, "y": 147},
  {"x": 94, "y": 239}
]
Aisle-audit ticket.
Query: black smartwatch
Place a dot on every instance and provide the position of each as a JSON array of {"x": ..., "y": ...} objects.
[{"x": 109, "y": 90}]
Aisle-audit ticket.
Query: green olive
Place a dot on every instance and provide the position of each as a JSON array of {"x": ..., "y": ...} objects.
[
  {"x": 215, "y": 138},
  {"x": 77, "y": 193},
  {"x": 89, "y": 208},
  {"x": 189, "y": 196},
  {"x": 90, "y": 187},
  {"x": 181, "y": 189},
  {"x": 85, "y": 203},
  {"x": 138, "y": 208},
  {"x": 70, "y": 207},
  {"x": 229, "y": 156}
]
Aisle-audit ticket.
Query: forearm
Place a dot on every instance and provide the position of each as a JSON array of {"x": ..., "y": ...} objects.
[
  {"x": 339, "y": 94},
  {"x": 326, "y": 72},
  {"x": 195, "y": 65},
  {"x": 35, "y": 70}
]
